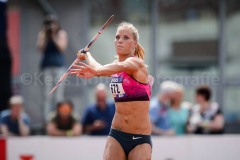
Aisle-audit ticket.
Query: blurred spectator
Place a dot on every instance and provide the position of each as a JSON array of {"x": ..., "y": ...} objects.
[
  {"x": 5, "y": 59},
  {"x": 15, "y": 122},
  {"x": 98, "y": 117},
  {"x": 178, "y": 114},
  {"x": 63, "y": 122},
  {"x": 159, "y": 106},
  {"x": 206, "y": 117},
  {"x": 52, "y": 42}
]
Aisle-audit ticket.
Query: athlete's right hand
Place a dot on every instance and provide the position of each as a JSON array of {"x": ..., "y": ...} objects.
[
  {"x": 81, "y": 54},
  {"x": 83, "y": 70}
]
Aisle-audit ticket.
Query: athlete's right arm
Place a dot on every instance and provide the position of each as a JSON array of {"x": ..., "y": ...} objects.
[
  {"x": 89, "y": 58},
  {"x": 130, "y": 65}
]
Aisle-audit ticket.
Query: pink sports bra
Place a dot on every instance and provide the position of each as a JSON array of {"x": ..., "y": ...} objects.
[{"x": 125, "y": 88}]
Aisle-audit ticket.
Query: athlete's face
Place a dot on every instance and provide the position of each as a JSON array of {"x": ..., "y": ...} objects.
[{"x": 124, "y": 41}]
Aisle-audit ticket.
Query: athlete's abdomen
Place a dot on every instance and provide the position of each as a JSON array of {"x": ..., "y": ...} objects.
[{"x": 132, "y": 117}]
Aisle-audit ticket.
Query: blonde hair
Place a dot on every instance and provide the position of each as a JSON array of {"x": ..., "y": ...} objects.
[{"x": 139, "y": 51}]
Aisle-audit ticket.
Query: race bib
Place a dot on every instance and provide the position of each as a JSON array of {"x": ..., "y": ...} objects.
[{"x": 116, "y": 87}]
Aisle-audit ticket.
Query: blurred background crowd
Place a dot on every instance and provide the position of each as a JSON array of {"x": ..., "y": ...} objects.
[{"x": 191, "y": 47}]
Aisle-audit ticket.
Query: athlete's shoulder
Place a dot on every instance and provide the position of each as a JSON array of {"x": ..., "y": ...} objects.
[{"x": 135, "y": 60}]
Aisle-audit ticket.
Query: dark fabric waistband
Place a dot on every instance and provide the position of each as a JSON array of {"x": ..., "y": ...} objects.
[{"x": 128, "y": 134}]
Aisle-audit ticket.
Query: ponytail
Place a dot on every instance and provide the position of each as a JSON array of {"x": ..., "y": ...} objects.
[{"x": 139, "y": 51}]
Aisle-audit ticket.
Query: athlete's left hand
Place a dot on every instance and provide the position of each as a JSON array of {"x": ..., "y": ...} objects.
[
  {"x": 81, "y": 54},
  {"x": 83, "y": 70}
]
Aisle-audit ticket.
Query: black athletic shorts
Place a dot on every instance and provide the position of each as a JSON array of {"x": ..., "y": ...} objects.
[{"x": 129, "y": 141}]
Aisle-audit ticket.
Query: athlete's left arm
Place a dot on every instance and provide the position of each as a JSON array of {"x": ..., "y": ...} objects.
[{"x": 130, "y": 65}]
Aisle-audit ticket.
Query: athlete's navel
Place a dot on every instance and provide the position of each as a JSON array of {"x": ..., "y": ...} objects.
[{"x": 126, "y": 120}]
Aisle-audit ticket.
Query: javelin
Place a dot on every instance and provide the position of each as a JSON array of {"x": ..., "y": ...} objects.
[{"x": 85, "y": 49}]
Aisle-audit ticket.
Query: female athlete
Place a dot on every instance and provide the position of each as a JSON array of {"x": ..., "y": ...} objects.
[{"x": 129, "y": 137}]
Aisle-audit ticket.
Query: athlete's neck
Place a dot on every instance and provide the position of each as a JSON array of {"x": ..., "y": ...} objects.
[{"x": 124, "y": 57}]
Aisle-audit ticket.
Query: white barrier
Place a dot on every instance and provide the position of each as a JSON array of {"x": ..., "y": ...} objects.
[{"x": 226, "y": 147}]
